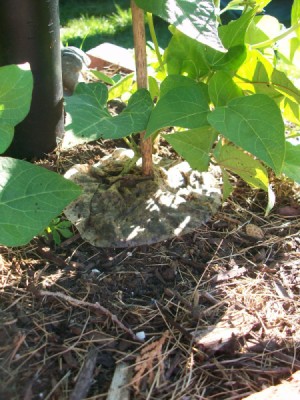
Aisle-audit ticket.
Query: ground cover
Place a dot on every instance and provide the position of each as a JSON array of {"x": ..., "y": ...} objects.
[{"x": 236, "y": 280}]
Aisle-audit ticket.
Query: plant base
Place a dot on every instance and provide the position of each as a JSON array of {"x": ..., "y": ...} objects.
[{"x": 118, "y": 210}]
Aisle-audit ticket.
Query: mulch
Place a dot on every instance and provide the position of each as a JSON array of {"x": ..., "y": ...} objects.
[{"x": 210, "y": 315}]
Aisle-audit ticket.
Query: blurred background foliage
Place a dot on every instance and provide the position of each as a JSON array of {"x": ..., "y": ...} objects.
[{"x": 88, "y": 23}]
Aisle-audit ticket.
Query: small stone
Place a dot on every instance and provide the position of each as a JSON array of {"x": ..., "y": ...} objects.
[{"x": 254, "y": 231}]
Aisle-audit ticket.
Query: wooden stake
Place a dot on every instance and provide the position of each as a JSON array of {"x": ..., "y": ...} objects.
[{"x": 139, "y": 38}]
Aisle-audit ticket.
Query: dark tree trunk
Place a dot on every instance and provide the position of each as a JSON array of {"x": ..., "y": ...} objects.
[{"x": 29, "y": 32}]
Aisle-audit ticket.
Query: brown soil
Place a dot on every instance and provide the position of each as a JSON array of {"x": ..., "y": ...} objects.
[{"x": 219, "y": 307}]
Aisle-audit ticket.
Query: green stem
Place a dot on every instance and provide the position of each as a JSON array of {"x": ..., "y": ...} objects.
[
  {"x": 132, "y": 145},
  {"x": 284, "y": 34},
  {"x": 155, "y": 42}
]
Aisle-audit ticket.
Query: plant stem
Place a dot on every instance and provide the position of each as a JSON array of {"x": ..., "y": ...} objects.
[
  {"x": 139, "y": 38},
  {"x": 132, "y": 145},
  {"x": 281, "y": 36},
  {"x": 155, "y": 42}
]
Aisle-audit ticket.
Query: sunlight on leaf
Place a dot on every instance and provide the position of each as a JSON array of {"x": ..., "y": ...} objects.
[
  {"x": 194, "y": 145},
  {"x": 16, "y": 86},
  {"x": 90, "y": 119},
  {"x": 184, "y": 107},
  {"x": 291, "y": 166},
  {"x": 30, "y": 197},
  {"x": 255, "y": 124},
  {"x": 242, "y": 164},
  {"x": 195, "y": 19}
]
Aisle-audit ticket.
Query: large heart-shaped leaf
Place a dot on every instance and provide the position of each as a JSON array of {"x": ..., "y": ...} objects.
[
  {"x": 242, "y": 164},
  {"x": 255, "y": 124},
  {"x": 90, "y": 119},
  {"x": 30, "y": 197},
  {"x": 291, "y": 166},
  {"x": 196, "y": 19},
  {"x": 185, "y": 56},
  {"x": 234, "y": 33},
  {"x": 222, "y": 89},
  {"x": 16, "y": 85},
  {"x": 194, "y": 145},
  {"x": 183, "y": 106},
  {"x": 258, "y": 75}
]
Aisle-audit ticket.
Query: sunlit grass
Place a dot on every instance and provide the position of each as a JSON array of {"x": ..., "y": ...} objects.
[{"x": 86, "y": 25}]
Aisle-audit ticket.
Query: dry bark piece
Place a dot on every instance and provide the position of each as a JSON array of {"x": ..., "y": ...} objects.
[
  {"x": 86, "y": 376},
  {"x": 119, "y": 389},
  {"x": 254, "y": 231},
  {"x": 226, "y": 332},
  {"x": 233, "y": 273}
]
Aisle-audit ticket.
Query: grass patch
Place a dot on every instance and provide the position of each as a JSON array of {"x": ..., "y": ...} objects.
[{"x": 86, "y": 24}]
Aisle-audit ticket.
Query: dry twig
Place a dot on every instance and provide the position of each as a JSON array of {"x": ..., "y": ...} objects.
[{"x": 95, "y": 307}]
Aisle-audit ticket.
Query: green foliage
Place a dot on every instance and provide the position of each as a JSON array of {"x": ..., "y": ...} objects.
[
  {"x": 196, "y": 19},
  {"x": 194, "y": 145},
  {"x": 91, "y": 119},
  {"x": 30, "y": 196},
  {"x": 227, "y": 94},
  {"x": 255, "y": 124},
  {"x": 15, "y": 97},
  {"x": 59, "y": 229},
  {"x": 291, "y": 166}
]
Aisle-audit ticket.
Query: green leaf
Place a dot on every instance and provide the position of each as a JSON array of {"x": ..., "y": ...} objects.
[
  {"x": 257, "y": 75},
  {"x": 90, "y": 119},
  {"x": 295, "y": 15},
  {"x": 194, "y": 145},
  {"x": 291, "y": 111},
  {"x": 175, "y": 81},
  {"x": 288, "y": 50},
  {"x": 184, "y": 56},
  {"x": 56, "y": 237},
  {"x": 234, "y": 33},
  {"x": 16, "y": 85},
  {"x": 242, "y": 164},
  {"x": 227, "y": 186},
  {"x": 222, "y": 89},
  {"x": 230, "y": 61},
  {"x": 153, "y": 87},
  {"x": 196, "y": 19},
  {"x": 291, "y": 166},
  {"x": 184, "y": 107},
  {"x": 102, "y": 77},
  {"x": 6, "y": 136},
  {"x": 122, "y": 88},
  {"x": 65, "y": 233},
  {"x": 262, "y": 28},
  {"x": 255, "y": 124},
  {"x": 30, "y": 197},
  {"x": 95, "y": 91}
]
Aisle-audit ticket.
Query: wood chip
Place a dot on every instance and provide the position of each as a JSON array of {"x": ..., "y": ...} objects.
[
  {"x": 254, "y": 231},
  {"x": 119, "y": 389},
  {"x": 86, "y": 376}
]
